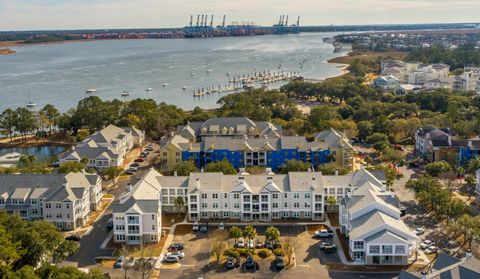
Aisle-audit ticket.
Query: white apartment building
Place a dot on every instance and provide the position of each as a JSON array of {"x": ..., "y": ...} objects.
[
  {"x": 215, "y": 196},
  {"x": 65, "y": 200},
  {"x": 412, "y": 72},
  {"x": 137, "y": 214},
  {"x": 106, "y": 148},
  {"x": 370, "y": 218}
]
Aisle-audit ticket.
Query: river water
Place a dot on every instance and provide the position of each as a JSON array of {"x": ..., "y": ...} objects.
[{"x": 60, "y": 73}]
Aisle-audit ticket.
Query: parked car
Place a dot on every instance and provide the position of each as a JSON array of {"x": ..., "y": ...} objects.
[
  {"x": 268, "y": 244},
  {"x": 73, "y": 237},
  {"x": 241, "y": 243},
  {"x": 403, "y": 211},
  {"x": 419, "y": 231},
  {"x": 170, "y": 259},
  {"x": 119, "y": 262},
  {"x": 279, "y": 262},
  {"x": 130, "y": 263},
  {"x": 258, "y": 244},
  {"x": 203, "y": 228},
  {"x": 134, "y": 165},
  {"x": 221, "y": 226},
  {"x": 250, "y": 263},
  {"x": 195, "y": 227},
  {"x": 175, "y": 247},
  {"x": 110, "y": 224},
  {"x": 230, "y": 263},
  {"x": 133, "y": 169},
  {"x": 177, "y": 253},
  {"x": 323, "y": 234},
  {"x": 323, "y": 244},
  {"x": 426, "y": 243},
  {"x": 431, "y": 249},
  {"x": 139, "y": 160},
  {"x": 250, "y": 244},
  {"x": 332, "y": 246}
]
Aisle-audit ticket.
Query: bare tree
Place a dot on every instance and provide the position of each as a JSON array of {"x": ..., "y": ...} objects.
[
  {"x": 218, "y": 248},
  {"x": 289, "y": 246}
]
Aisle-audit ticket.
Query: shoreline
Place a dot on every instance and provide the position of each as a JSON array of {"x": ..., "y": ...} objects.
[{"x": 7, "y": 51}]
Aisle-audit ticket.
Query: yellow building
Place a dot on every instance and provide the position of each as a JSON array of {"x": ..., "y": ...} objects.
[
  {"x": 171, "y": 152},
  {"x": 340, "y": 148}
]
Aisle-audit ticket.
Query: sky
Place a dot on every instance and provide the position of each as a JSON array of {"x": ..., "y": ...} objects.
[{"x": 109, "y": 14}]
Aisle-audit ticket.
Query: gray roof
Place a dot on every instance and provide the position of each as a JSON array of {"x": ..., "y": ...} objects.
[
  {"x": 51, "y": 187},
  {"x": 385, "y": 236},
  {"x": 448, "y": 267}
]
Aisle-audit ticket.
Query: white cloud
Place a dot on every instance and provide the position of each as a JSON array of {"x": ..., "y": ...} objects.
[{"x": 81, "y": 14}]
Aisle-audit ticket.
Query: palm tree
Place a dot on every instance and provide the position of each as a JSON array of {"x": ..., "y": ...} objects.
[
  {"x": 249, "y": 233},
  {"x": 236, "y": 233},
  {"x": 272, "y": 233}
]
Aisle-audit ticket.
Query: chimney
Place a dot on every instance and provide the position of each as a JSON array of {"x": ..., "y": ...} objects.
[
  {"x": 197, "y": 184},
  {"x": 174, "y": 173},
  {"x": 268, "y": 171}
]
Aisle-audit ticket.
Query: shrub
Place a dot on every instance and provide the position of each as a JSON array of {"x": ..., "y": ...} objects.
[
  {"x": 263, "y": 253},
  {"x": 244, "y": 252},
  {"x": 230, "y": 252},
  {"x": 279, "y": 251}
]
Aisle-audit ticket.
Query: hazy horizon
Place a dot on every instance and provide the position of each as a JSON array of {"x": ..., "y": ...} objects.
[{"x": 108, "y": 14}]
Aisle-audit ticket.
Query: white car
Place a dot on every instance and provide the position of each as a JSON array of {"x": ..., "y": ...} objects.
[
  {"x": 241, "y": 243},
  {"x": 221, "y": 226},
  {"x": 130, "y": 262},
  {"x": 250, "y": 244},
  {"x": 430, "y": 250},
  {"x": 426, "y": 243},
  {"x": 322, "y": 234},
  {"x": 195, "y": 227},
  {"x": 178, "y": 254},
  {"x": 419, "y": 231}
]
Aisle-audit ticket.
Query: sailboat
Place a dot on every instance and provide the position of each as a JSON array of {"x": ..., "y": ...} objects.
[
  {"x": 125, "y": 93},
  {"x": 91, "y": 90},
  {"x": 30, "y": 104},
  {"x": 149, "y": 89}
]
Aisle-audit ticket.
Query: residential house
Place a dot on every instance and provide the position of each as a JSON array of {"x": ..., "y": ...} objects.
[
  {"x": 370, "y": 219},
  {"x": 137, "y": 214},
  {"x": 65, "y": 200},
  {"x": 440, "y": 83},
  {"x": 341, "y": 150},
  {"x": 446, "y": 266},
  {"x": 106, "y": 148},
  {"x": 387, "y": 83}
]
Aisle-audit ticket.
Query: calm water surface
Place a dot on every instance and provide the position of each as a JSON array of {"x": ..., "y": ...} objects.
[
  {"x": 60, "y": 73},
  {"x": 45, "y": 154}
]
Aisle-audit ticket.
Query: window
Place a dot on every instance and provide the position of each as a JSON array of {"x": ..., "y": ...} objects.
[
  {"x": 153, "y": 227},
  {"x": 339, "y": 191},
  {"x": 2, "y": 201},
  {"x": 68, "y": 215},
  {"x": 285, "y": 205},
  {"x": 225, "y": 195},
  {"x": 399, "y": 249},
  {"x": 215, "y": 205},
  {"x": 274, "y": 214},
  {"x": 165, "y": 154},
  {"x": 307, "y": 195},
  {"x": 215, "y": 196},
  {"x": 164, "y": 192},
  {"x": 32, "y": 201},
  {"x": 331, "y": 191},
  {"x": 296, "y": 195},
  {"x": 120, "y": 237},
  {"x": 193, "y": 198},
  {"x": 49, "y": 215},
  {"x": 236, "y": 205},
  {"x": 171, "y": 192},
  {"x": 226, "y": 205},
  {"x": 275, "y": 205},
  {"x": 204, "y": 205},
  {"x": 153, "y": 237},
  {"x": 246, "y": 198},
  {"x": 236, "y": 215},
  {"x": 204, "y": 214},
  {"x": 307, "y": 205},
  {"x": 286, "y": 195},
  {"x": 236, "y": 196},
  {"x": 59, "y": 215},
  {"x": 48, "y": 205},
  {"x": 153, "y": 216},
  {"x": 307, "y": 214},
  {"x": 177, "y": 154},
  {"x": 358, "y": 245},
  {"x": 387, "y": 249},
  {"x": 374, "y": 249},
  {"x": 296, "y": 205},
  {"x": 67, "y": 205},
  {"x": 295, "y": 214},
  {"x": 119, "y": 227},
  {"x": 34, "y": 211},
  {"x": 274, "y": 196},
  {"x": 204, "y": 195},
  {"x": 58, "y": 205}
]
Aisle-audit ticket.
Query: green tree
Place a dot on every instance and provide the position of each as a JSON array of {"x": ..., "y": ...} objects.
[
  {"x": 331, "y": 169},
  {"x": 294, "y": 165},
  {"x": 112, "y": 172},
  {"x": 235, "y": 233},
  {"x": 223, "y": 166},
  {"x": 272, "y": 233},
  {"x": 249, "y": 233},
  {"x": 27, "y": 160},
  {"x": 179, "y": 204},
  {"x": 51, "y": 114},
  {"x": 184, "y": 168},
  {"x": 437, "y": 168},
  {"x": 10, "y": 251},
  {"x": 71, "y": 166},
  {"x": 7, "y": 122},
  {"x": 24, "y": 122}
]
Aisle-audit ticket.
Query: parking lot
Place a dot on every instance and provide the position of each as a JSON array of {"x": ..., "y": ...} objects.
[{"x": 310, "y": 259}]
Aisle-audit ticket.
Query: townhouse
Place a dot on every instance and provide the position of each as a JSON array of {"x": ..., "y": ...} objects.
[
  {"x": 65, "y": 200},
  {"x": 413, "y": 72},
  {"x": 106, "y": 148},
  {"x": 256, "y": 144},
  {"x": 446, "y": 266},
  {"x": 137, "y": 214},
  {"x": 370, "y": 219}
]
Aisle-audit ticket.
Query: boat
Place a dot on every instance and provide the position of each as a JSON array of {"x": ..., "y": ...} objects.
[
  {"x": 125, "y": 94},
  {"x": 165, "y": 85},
  {"x": 91, "y": 90},
  {"x": 184, "y": 87},
  {"x": 30, "y": 104},
  {"x": 208, "y": 71},
  {"x": 149, "y": 89}
]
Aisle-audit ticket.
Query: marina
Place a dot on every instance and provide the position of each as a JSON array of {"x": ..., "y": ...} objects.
[{"x": 163, "y": 70}]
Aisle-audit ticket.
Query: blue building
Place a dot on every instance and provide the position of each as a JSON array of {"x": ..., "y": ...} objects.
[{"x": 272, "y": 153}]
